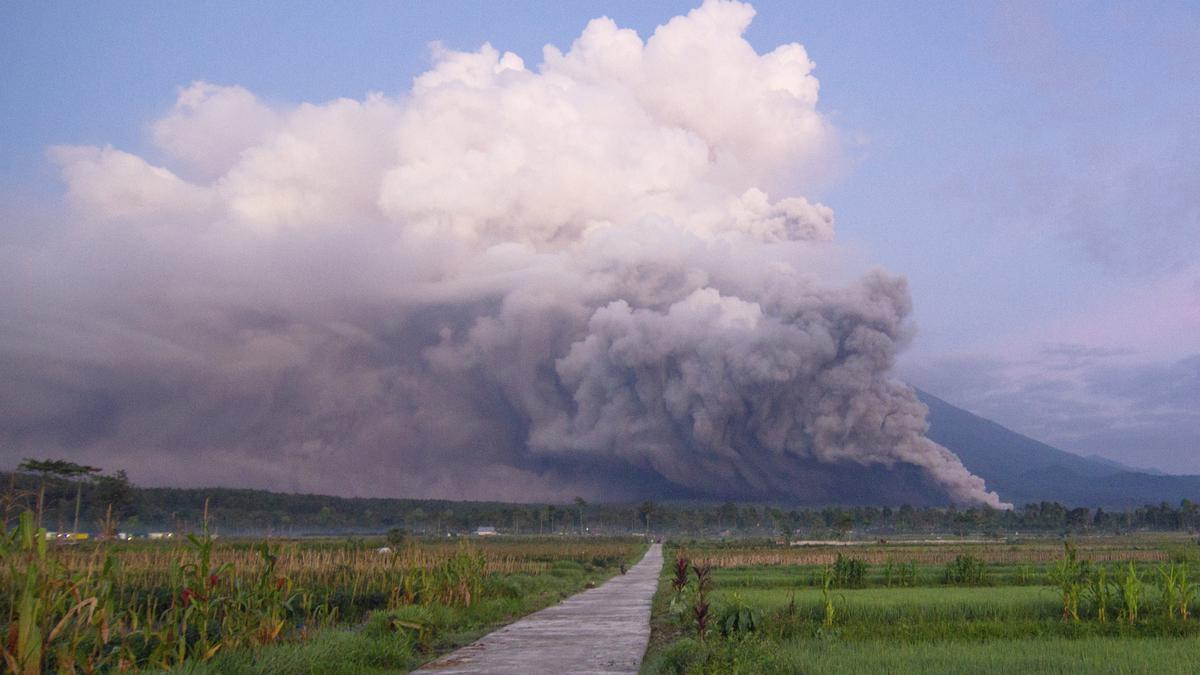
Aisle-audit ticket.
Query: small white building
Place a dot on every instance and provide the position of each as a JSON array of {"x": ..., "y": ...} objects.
[{"x": 486, "y": 531}]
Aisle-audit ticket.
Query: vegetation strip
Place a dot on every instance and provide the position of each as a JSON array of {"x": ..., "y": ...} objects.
[
  {"x": 1073, "y": 614},
  {"x": 200, "y": 605},
  {"x": 601, "y": 630}
]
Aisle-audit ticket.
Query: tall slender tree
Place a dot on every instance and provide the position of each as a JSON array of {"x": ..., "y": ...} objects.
[
  {"x": 69, "y": 471},
  {"x": 645, "y": 511},
  {"x": 579, "y": 504}
]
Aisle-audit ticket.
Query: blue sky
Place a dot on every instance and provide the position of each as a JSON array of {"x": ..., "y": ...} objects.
[{"x": 1033, "y": 169}]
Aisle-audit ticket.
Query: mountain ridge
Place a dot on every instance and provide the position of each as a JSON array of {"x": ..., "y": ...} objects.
[{"x": 1024, "y": 470}]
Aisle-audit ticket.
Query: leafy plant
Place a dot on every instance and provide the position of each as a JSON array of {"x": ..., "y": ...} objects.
[
  {"x": 1186, "y": 592},
  {"x": 679, "y": 604},
  {"x": 737, "y": 617},
  {"x": 701, "y": 607},
  {"x": 1099, "y": 591},
  {"x": 966, "y": 570},
  {"x": 1129, "y": 590},
  {"x": 848, "y": 572},
  {"x": 827, "y": 579},
  {"x": 680, "y": 580},
  {"x": 396, "y": 537},
  {"x": 67, "y": 620},
  {"x": 1176, "y": 590},
  {"x": 1025, "y": 574},
  {"x": 1070, "y": 576}
]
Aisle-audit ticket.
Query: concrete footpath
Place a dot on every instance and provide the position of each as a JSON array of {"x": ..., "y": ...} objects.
[{"x": 603, "y": 630}]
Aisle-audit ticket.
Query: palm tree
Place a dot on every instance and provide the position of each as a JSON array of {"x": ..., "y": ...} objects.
[
  {"x": 645, "y": 510},
  {"x": 579, "y": 503},
  {"x": 520, "y": 515},
  {"x": 414, "y": 518}
]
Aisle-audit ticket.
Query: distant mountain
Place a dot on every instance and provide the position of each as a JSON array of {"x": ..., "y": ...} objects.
[
  {"x": 1125, "y": 467},
  {"x": 1023, "y": 470}
]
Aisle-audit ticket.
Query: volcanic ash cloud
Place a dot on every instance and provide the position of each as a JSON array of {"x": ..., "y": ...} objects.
[{"x": 593, "y": 277}]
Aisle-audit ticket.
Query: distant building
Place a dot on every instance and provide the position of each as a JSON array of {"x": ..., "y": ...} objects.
[{"x": 486, "y": 531}]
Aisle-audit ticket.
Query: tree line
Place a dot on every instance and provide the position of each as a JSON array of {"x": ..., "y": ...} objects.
[{"x": 74, "y": 497}]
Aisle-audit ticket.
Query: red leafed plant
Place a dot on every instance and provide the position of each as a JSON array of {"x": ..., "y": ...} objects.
[{"x": 681, "y": 574}]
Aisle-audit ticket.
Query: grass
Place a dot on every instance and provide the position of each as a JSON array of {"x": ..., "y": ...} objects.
[
  {"x": 329, "y": 651},
  {"x": 911, "y": 604},
  {"x": 1042, "y": 552},
  {"x": 396, "y": 641},
  {"x": 1029, "y": 656},
  {"x": 954, "y": 616},
  {"x": 801, "y": 576}
]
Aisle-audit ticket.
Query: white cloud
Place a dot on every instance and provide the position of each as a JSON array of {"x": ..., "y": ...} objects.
[
  {"x": 210, "y": 126},
  {"x": 108, "y": 184}
]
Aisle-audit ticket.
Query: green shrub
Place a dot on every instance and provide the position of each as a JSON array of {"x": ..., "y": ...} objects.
[
  {"x": 396, "y": 537},
  {"x": 738, "y": 617},
  {"x": 414, "y": 624},
  {"x": 680, "y": 656},
  {"x": 966, "y": 570},
  {"x": 848, "y": 572},
  {"x": 510, "y": 586}
]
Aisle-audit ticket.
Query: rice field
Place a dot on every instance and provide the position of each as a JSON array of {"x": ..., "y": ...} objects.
[
  {"x": 1099, "y": 549},
  {"x": 1108, "y": 605}
]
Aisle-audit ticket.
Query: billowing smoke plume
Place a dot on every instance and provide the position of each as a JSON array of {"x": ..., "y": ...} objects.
[{"x": 506, "y": 283}]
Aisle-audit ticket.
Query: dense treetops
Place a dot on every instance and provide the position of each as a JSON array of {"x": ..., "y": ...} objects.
[{"x": 233, "y": 511}]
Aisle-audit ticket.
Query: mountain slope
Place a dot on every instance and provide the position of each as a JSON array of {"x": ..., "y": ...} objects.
[
  {"x": 1024, "y": 470},
  {"x": 1118, "y": 466}
]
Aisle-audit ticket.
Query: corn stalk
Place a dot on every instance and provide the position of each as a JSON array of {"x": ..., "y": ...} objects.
[{"x": 1129, "y": 589}]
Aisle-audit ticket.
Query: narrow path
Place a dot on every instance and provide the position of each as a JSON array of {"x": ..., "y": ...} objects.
[{"x": 603, "y": 630}]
